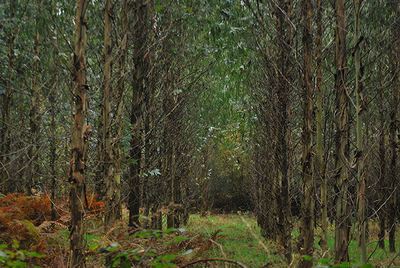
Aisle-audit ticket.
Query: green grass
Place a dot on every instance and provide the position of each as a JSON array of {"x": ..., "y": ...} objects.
[
  {"x": 241, "y": 242},
  {"x": 376, "y": 255},
  {"x": 90, "y": 239},
  {"x": 237, "y": 240}
]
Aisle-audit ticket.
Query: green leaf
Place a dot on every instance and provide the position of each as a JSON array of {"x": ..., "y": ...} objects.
[
  {"x": 307, "y": 258},
  {"x": 18, "y": 264},
  {"x": 367, "y": 265},
  {"x": 15, "y": 244},
  {"x": 155, "y": 172},
  {"x": 142, "y": 234},
  {"x": 35, "y": 255},
  {"x": 168, "y": 257},
  {"x": 133, "y": 161},
  {"x": 179, "y": 239},
  {"x": 3, "y": 254},
  {"x": 169, "y": 230},
  {"x": 158, "y": 8},
  {"x": 343, "y": 265},
  {"x": 323, "y": 261},
  {"x": 94, "y": 247}
]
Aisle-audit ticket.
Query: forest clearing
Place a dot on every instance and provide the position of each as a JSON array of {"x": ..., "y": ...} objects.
[{"x": 199, "y": 133}]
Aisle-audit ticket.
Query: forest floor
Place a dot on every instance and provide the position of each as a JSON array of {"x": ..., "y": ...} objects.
[
  {"x": 27, "y": 236},
  {"x": 239, "y": 239}
]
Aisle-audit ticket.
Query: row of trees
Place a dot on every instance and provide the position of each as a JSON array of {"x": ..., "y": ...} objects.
[
  {"x": 346, "y": 146},
  {"x": 120, "y": 73}
]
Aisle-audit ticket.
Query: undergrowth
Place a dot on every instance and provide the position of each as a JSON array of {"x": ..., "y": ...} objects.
[{"x": 30, "y": 237}]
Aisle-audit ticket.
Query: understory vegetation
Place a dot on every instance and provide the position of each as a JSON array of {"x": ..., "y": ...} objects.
[{"x": 30, "y": 238}]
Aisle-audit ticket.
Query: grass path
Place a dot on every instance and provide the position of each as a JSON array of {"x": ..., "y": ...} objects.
[{"x": 239, "y": 239}]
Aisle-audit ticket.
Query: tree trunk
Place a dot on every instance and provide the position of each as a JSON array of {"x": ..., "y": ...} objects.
[
  {"x": 359, "y": 154},
  {"x": 342, "y": 137},
  {"x": 284, "y": 38},
  {"x": 79, "y": 140},
  {"x": 112, "y": 196},
  {"x": 139, "y": 84},
  {"x": 6, "y": 107},
  {"x": 53, "y": 126},
  {"x": 382, "y": 168},
  {"x": 319, "y": 128},
  {"x": 307, "y": 226},
  {"x": 118, "y": 112},
  {"x": 393, "y": 129},
  {"x": 34, "y": 115}
]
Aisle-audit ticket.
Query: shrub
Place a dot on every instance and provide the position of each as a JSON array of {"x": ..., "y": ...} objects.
[
  {"x": 19, "y": 207},
  {"x": 16, "y": 257},
  {"x": 94, "y": 206}
]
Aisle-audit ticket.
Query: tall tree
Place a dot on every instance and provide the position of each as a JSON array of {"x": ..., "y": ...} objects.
[
  {"x": 359, "y": 138},
  {"x": 382, "y": 169},
  {"x": 34, "y": 114},
  {"x": 118, "y": 111},
  {"x": 52, "y": 98},
  {"x": 319, "y": 121},
  {"x": 139, "y": 84},
  {"x": 393, "y": 128},
  {"x": 7, "y": 102},
  {"x": 307, "y": 226},
  {"x": 79, "y": 139},
  {"x": 342, "y": 152},
  {"x": 283, "y": 11},
  {"x": 112, "y": 195}
]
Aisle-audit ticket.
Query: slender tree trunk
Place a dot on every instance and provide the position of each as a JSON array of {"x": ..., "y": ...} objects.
[
  {"x": 307, "y": 215},
  {"x": 53, "y": 149},
  {"x": 139, "y": 87},
  {"x": 342, "y": 137},
  {"x": 79, "y": 140},
  {"x": 359, "y": 138},
  {"x": 393, "y": 129},
  {"x": 34, "y": 115},
  {"x": 382, "y": 168},
  {"x": 119, "y": 100},
  {"x": 112, "y": 196},
  {"x": 6, "y": 107},
  {"x": 53, "y": 126},
  {"x": 148, "y": 189},
  {"x": 284, "y": 39},
  {"x": 319, "y": 129}
]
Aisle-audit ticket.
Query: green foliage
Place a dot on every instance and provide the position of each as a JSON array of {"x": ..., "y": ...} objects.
[
  {"x": 119, "y": 257},
  {"x": 16, "y": 258},
  {"x": 237, "y": 239},
  {"x": 328, "y": 263}
]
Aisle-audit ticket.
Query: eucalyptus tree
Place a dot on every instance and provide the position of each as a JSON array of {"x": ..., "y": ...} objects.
[
  {"x": 109, "y": 137},
  {"x": 34, "y": 114},
  {"x": 359, "y": 136},
  {"x": 342, "y": 150},
  {"x": 7, "y": 93},
  {"x": 79, "y": 136},
  {"x": 319, "y": 122},
  {"x": 393, "y": 128},
  {"x": 274, "y": 45},
  {"x": 140, "y": 87},
  {"x": 307, "y": 226}
]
